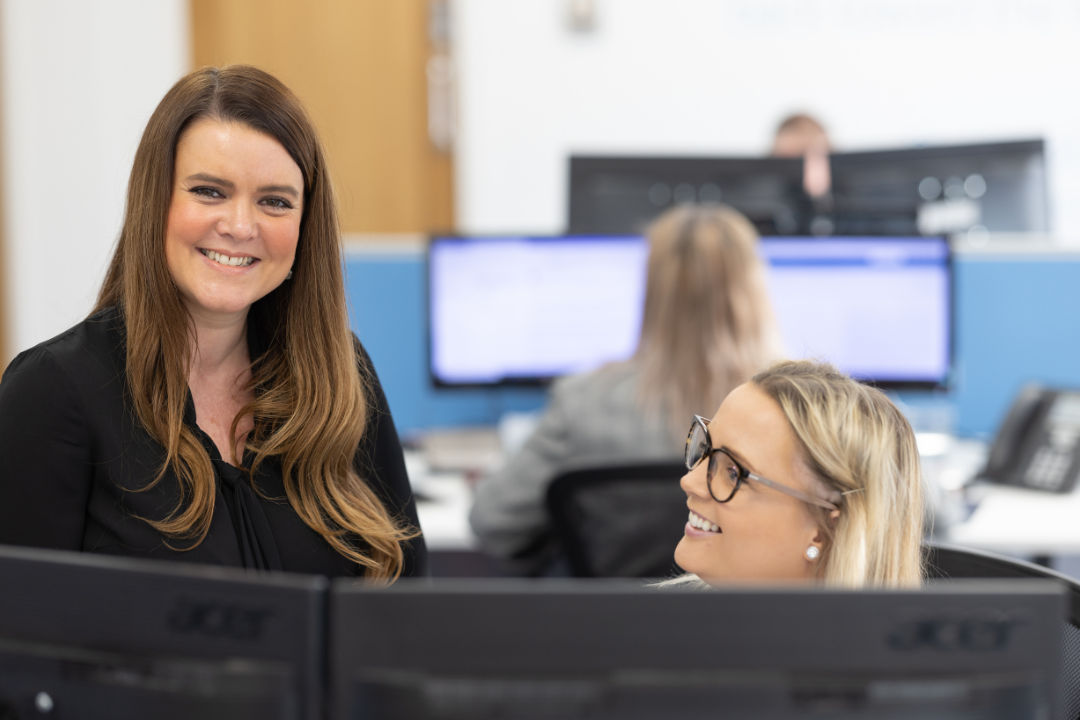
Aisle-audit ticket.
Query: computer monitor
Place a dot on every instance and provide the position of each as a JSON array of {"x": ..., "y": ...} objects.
[
  {"x": 997, "y": 187},
  {"x": 879, "y": 308},
  {"x": 622, "y": 195},
  {"x": 527, "y": 649},
  {"x": 528, "y": 309},
  {"x": 84, "y": 637}
]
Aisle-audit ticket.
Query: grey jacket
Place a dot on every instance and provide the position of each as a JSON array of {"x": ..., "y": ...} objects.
[{"x": 591, "y": 419}]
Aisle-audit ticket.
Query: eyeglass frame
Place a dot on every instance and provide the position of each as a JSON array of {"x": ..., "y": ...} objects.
[{"x": 744, "y": 474}]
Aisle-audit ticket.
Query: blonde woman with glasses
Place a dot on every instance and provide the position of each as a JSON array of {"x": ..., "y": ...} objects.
[
  {"x": 803, "y": 474},
  {"x": 707, "y": 326}
]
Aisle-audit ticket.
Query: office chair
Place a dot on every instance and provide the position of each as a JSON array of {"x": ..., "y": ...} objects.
[
  {"x": 619, "y": 521},
  {"x": 946, "y": 561}
]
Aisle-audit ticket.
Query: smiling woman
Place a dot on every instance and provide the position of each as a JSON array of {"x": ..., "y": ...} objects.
[
  {"x": 215, "y": 407},
  {"x": 803, "y": 474}
]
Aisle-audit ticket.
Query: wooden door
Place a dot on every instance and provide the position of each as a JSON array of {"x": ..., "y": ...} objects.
[{"x": 360, "y": 67}]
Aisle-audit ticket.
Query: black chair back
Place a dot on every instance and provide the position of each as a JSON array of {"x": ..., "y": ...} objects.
[
  {"x": 945, "y": 561},
  {"x": 619, "y": 521}
]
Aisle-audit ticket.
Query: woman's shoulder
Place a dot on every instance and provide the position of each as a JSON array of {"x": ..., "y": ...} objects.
[
  {"x": 96, "y": 343},
  {"x": 612, "y": 381}
]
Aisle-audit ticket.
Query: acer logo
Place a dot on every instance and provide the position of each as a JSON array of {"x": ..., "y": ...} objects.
[
  {"x": 978, "y": 631},
  {"x": 218, "y": 619}
]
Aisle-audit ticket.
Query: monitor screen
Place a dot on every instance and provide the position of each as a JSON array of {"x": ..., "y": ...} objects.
[
  {"x": 529, "y": 649},
  {"x": 614, "y": 195},
  {"x": 528, "y": 309},
  {"x": 880, "y": 308}
]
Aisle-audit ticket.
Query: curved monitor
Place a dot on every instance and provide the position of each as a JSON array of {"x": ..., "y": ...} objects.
[{"x": 524, "y": 310}]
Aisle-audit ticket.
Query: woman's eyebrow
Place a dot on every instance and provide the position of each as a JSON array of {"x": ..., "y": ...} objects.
[
  {"x": 203, "y": 177},
  {"x": 284, "y": 189}
]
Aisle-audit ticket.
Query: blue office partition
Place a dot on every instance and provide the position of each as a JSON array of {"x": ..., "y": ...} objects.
[{"x": 1017, "y": 321}]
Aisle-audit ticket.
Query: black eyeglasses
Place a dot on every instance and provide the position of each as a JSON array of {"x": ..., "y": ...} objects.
[{"x": 725, "y": 475}]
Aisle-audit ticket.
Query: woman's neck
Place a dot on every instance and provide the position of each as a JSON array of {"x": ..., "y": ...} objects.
[
  {"x": 220, "y": 370},
  {"x": 220, "y": 346}
]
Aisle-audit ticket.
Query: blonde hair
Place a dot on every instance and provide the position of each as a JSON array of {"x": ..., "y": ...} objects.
[
  {"x": 312, "y": 386},
  {"x": 708, "y": 324},
  {"x": 857, "y": 443}
]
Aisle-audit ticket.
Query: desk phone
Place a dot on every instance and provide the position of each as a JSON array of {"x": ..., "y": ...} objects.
[{"x": 1038, "y": 444}]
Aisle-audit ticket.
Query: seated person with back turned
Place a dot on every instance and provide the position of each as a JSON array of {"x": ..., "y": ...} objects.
[
  {"x": 707, "y": 326},
  {"x": 215, "y": 407},
  {"x": 803, "y": 474}
]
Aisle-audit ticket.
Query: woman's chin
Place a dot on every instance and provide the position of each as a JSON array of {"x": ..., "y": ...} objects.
[
  {"x": 219, "y": 307},
  {"x": 684, "y": 558}
]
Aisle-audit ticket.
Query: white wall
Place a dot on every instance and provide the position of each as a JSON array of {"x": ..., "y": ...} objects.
[
  {"x": 715, "y": 76},
  {"x": 79, "y": 81}
]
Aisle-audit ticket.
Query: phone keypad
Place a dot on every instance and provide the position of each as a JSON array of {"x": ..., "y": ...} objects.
[{"x": 1048, "y": 467}]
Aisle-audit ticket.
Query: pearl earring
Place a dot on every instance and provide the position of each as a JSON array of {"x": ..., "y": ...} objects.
[
  {"x": 812, "y": 552},
  {"x": 288, "y": 275}
]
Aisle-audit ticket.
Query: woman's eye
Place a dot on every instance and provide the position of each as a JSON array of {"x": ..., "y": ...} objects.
[
  {"x": 278, "y": 203},
  {"x": 732, "y": 472},
  {"x": 208, "y": 192}
]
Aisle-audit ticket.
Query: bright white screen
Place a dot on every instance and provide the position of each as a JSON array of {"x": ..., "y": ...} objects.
[
  {"x": 532, "y": 308},
  {"x": 528, "y": 308},
  {"x": 880, "y": 308}
]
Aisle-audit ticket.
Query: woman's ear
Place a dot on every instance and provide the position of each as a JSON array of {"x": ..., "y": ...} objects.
[{"x": 820, "y": 538}]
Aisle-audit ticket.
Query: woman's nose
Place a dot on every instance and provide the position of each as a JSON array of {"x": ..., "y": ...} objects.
[
  {"x": 695, "y": 482},
  {"x": 238, "y": 222}
]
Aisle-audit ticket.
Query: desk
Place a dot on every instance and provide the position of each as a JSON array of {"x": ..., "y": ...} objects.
[
  {"x": 443, "y": 502},
  {"x": 1015, "y": 521},
  {"x": 1000, "y": 519}
]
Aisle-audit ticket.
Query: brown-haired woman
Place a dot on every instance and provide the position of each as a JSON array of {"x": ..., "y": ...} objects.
[
  {"x": 707, "y": 327},
  {"x": 215, "y": 407}
]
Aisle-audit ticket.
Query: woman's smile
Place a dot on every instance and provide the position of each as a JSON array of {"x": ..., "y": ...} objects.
[
  {"x": 698, "y": 526},
  {"x": 221, "y": 258}
]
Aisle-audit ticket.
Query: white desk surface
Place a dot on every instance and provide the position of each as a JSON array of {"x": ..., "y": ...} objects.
[
  {"x": 446, "y": 498},
  {"x": 1021, "y": 522},
  {"x": 1005, "y": 519}
]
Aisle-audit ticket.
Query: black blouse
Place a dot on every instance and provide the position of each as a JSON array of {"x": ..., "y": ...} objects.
[{"x": 76, "y": 466}]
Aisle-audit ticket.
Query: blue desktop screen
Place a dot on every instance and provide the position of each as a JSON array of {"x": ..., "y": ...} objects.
[{"x": 507, "y": 309}]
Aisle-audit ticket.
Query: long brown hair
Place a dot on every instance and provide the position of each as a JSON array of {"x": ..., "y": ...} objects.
[
  {"x": 708, "y": 324},
  {"x": 311, "y": 402}
]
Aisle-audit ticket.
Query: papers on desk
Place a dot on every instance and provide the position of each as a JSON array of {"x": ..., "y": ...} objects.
[
  {"x": 443, "y": 500},
  {"x": 1014, "y": 520}
]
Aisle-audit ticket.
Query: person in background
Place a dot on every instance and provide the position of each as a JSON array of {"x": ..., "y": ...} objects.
[
  {"x": 707, "y": 326},
  {"x": 215, "y": 407},
  {"x": 800, "y": 135},
  {"x": 803, "y": 474}
]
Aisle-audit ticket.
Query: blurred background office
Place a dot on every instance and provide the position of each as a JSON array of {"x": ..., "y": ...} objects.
[{"x": 460, "y": 116}]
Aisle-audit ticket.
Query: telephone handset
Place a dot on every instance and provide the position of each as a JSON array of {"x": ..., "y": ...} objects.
[{"x": 1038, "y": 444}]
